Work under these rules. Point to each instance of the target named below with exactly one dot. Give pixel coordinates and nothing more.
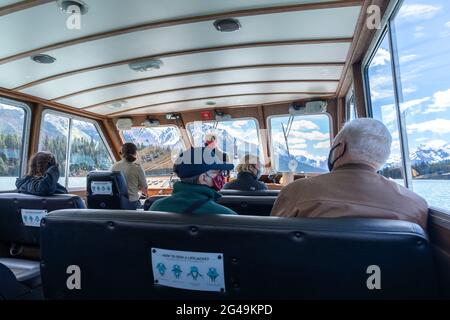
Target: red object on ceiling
(206, 115)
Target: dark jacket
(185, 195)
(246, 181)
(41, 186)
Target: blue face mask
(332, 163)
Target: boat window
(13, 124)
(236, 138)
(379, 73)
(350, 107)
(420, 52)
(157, 146)
(300, 143)
(86, 151)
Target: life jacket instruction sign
(101, 188)
(201, 271)
(32, 218)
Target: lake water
(436, 192)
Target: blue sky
(309, 136)
(423, 43)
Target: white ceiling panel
(315, 24)
(316, 53)
(201, 93)
(233, 76)
(106, 15)
(220, 102)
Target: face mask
(218, 181)
(332, 163)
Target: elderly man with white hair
(353, 188)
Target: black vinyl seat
(20, 226)
(107, 190)
(263, 258)
(257, 193)
(242, 205)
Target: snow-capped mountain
(430, 154)
(288, 162)
(167, 137)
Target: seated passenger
(42, 178)
(201, 176)
(249, 171)
(353, 188)
(133, 173)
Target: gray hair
(367, 140)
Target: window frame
(269, 133)
(258, 133)
(349, 99)
(386, 30)
(25, 132)
(69, 143)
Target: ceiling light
(67, 6)
(117, 105)
(143, 66)
(227, 25)
(210, 103)
(43, 58)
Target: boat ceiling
(284, 51)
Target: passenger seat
(20, 228)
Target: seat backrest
(249, 205)
(151, 255)
(20, 215)
(107, 190)
(242, 205)
(258, 193)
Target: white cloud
(435, 144)
(413, 103)
(297, 146)
(418, 11)
(438, 126)
(447, 25)
(418, 32)
(381, 58)
(322, 145)
(408, 58)
(304, 125)
(315, 135)
(441, 102)
(239, 123)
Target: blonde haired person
(249, 171)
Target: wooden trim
(34, 134)
(51, 104)
(358, 85)
(148, 94)
(181, 21)
(22, 5)
(186, 52)
(205, 71)
(112, 136)
(362, 40)
(209, 98)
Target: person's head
(211, 140)
(129, 152)
(250, 163)
(361, 141)
(40, 162)
(200, 166)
